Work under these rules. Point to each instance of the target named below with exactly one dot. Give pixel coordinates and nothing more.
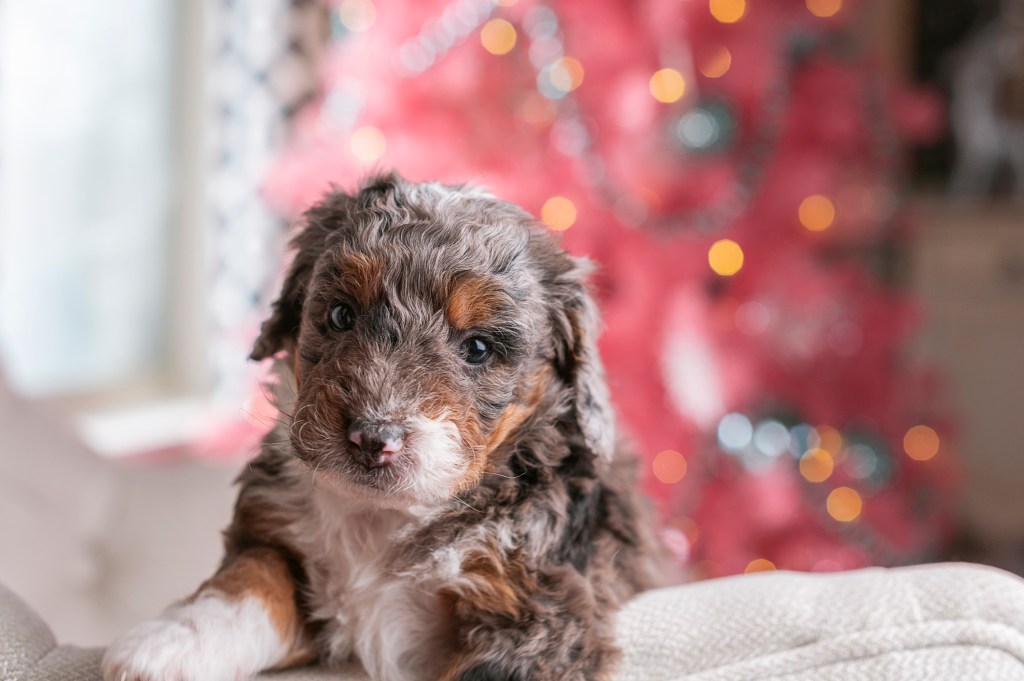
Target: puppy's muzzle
(376, 444)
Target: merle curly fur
(428, 514)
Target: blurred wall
(969, 273)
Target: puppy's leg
(241, 621)
(514, 625)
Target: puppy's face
(425, 325)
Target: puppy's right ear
(281, 329)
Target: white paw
(210, 639)
(161, 649)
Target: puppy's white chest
(393, 624)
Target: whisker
(320, 460)
(269, 397)
(510, 477)
(467, 505)
(262, 419)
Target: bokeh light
(735, 432)
(824, 8)
(829, 439)
(727, 11)
(669, 467)
(558, 213)
(698, 129)
(716, 62)
(367, 143)
(862, 462)
(498, 36)
(357, 15)
(537, 110)
(817, 213)
(667, 85)
(566, 74)
(816, 465)
(921, 443)
(725, 257)
(771, 438)
(800, 439)
(759, 565)
(844, 504)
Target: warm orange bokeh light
(844, 504)
(759, 565)
(498, 36)
(816, 465)
(824, 8)
(667, 86)
(566, 74)
(817, 213)
(921, 443)
(725, 257)
(829, 439)
(669, 467)
(558, 213)
(716, 63)
(727, 11)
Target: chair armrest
(29, 652)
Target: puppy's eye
(475, 350)
(342, 318)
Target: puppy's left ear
(576, 326)
(281, 329)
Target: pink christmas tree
(734, 170)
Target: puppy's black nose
(378, 443)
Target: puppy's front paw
(161, 649)
(210, 639)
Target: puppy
(444, 498)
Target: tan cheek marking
(510, 419)
(517, 413)
(263, 574)
(469, 428)
(513, 417)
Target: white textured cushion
(934, 622)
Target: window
(134, 247)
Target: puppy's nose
(378, 443)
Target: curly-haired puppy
(445, 498)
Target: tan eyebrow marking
(362, 276)
(472, 301)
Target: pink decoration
(810, 327)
